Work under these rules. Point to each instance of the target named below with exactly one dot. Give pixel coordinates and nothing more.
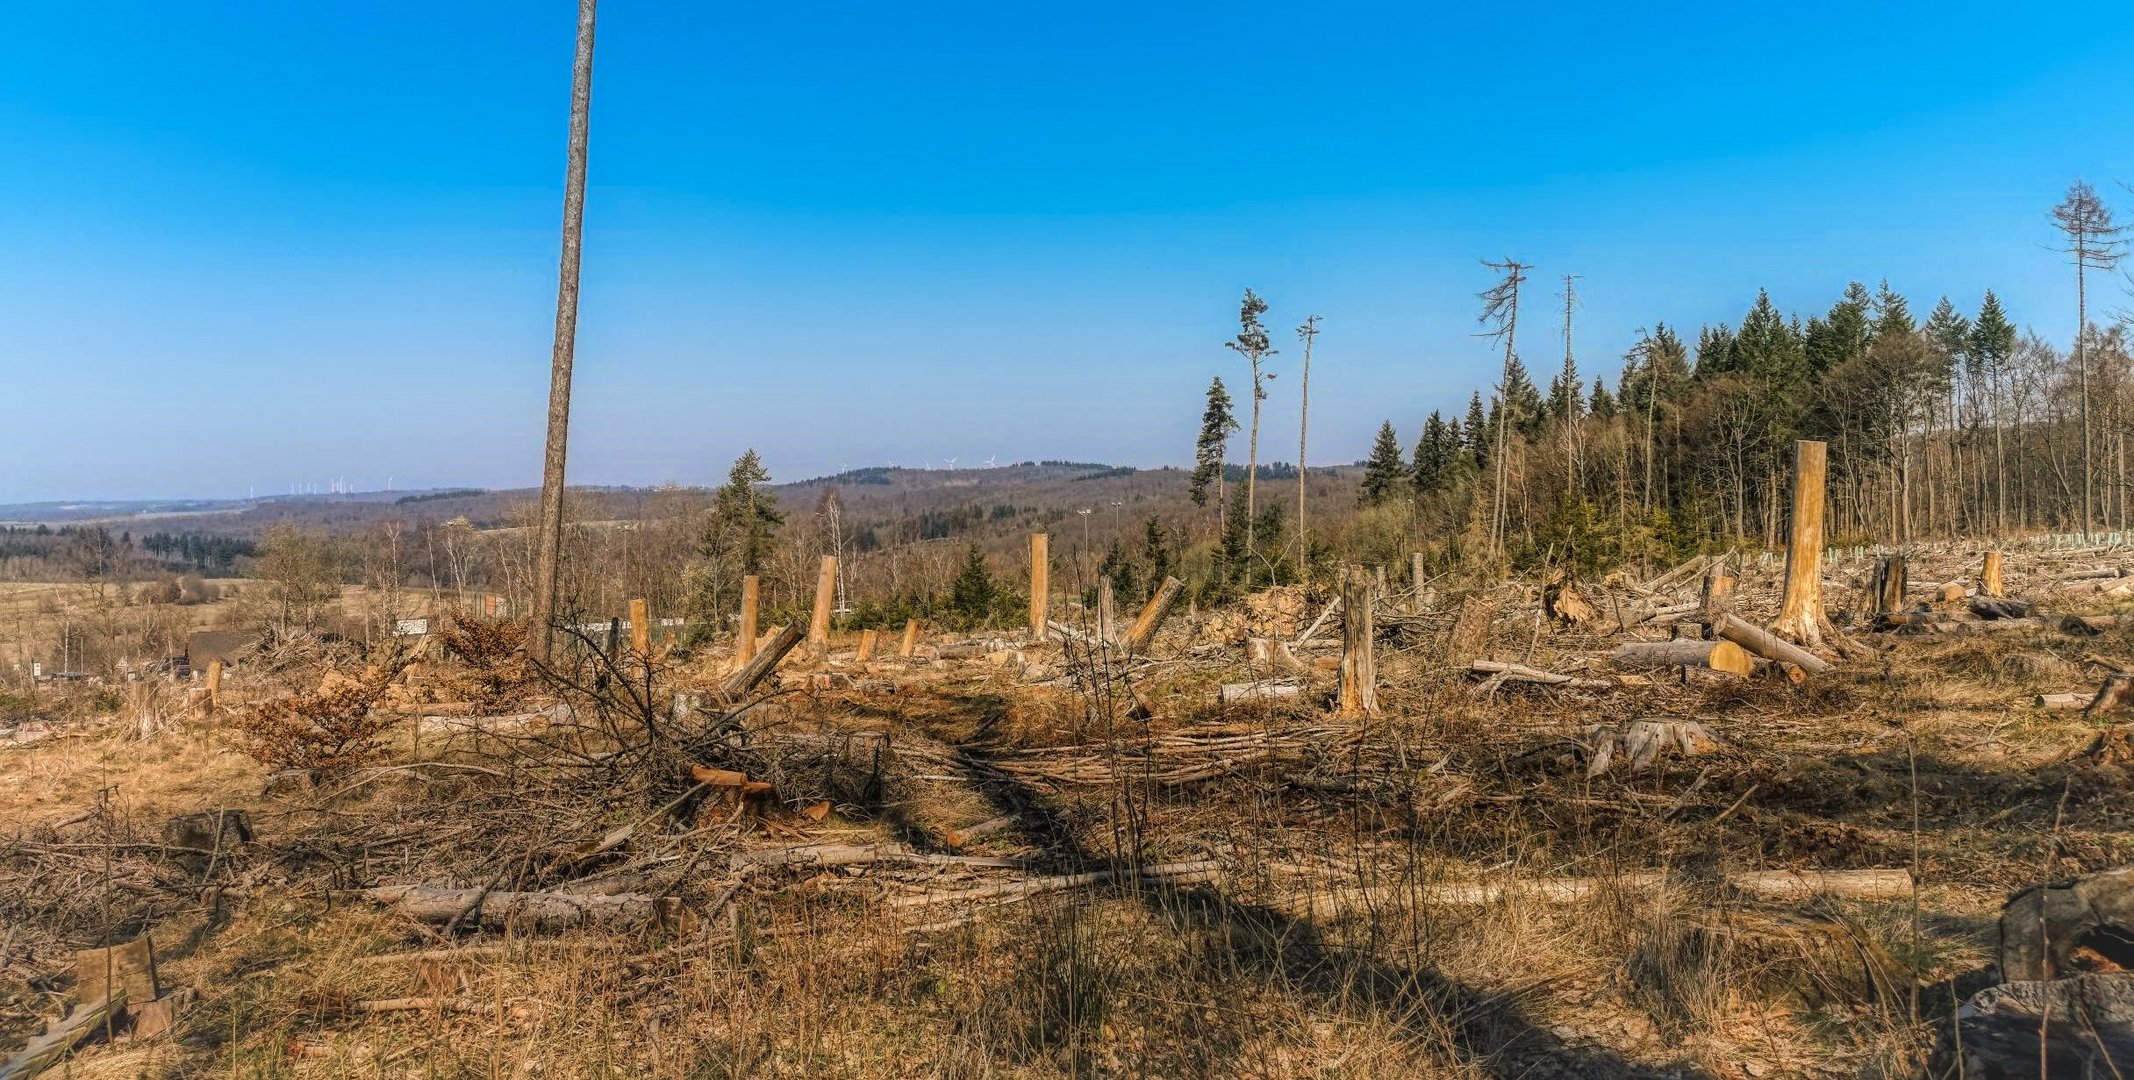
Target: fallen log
(538, 910)
(957, 838)
(1723, 656)
(1272, 690)
(1766, 644)
(1509, 672)
(738, 684)
(2062, 701)
(1669, 613)
(1987, 608)
(1678, 575)
(1771, 885)
(1152, 615)
(1179, 873)
(856, 854)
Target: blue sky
(250, 245)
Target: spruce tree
(1892, 314)
(1767, 348)
(1384, 470)
(737, 535)
(1602, 403)
(972, 596)
(1212, 448)
(1992, 348)
(1715, 353)
(1437, 456)
(1529, 413)
(1474, 434)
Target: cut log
(1989, 576)
(1678, 575)
(741, 682)
(1359, 664)
(1521, 673)
(1950, 592)
(1669, 613)
(1801, 618)
(1766, 644)
(2001, 609)
(911, 639)
(2063, 701)
(1152, 615)
(1163, 873)
(1721, 655)
(1762, 884)
(866, 649)
(1236, 693)
(535, 910)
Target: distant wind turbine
(990, 461)
(951, 463)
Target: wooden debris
(1152, 615)
(2112, 697)
(1766, 644)
(1991, 609)
(1508, 672)
(1265, 690)
(1885, 589)
(1989, 577)
(751, 605)
(739, 684)
(819, 617)
(536, 910)
(1642, 741)
(126, 971)
(1769, 885)
(1801, 618)
(1179, 873)
(1722, 656)
(958, 838)
(911, 639)
(1359, 666)
(1561, 601)
(2063, 701)
(45, 1050)
(1040, 582)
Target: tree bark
(738, 684)
(1801, 616)
(1766, 644)
(1651, 655)
(1359, 667)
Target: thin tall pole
(1309, 332)
(559, 376)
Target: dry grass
(1314, 953)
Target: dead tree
(1500, 312)
(1801, 615)
(1885, 590)
(1989, 576)
(1359, 668)
(1309, 332)
(825, 592)
(2093, 239)
(550, 548)
(1152, 615)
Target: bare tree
(566, 343)
(2094, 241)
(1500, 313)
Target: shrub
(329, 731)
(495, 655)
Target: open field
(1259, 889)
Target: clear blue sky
(256, 244)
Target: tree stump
(1885, 589)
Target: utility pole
(1308, 331)
(566, 343)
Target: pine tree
(1529, 413)
(1767, 348)
(1384, 470)
(972, 596)
(1212, 448)
(1893, 315)
(1715, 353)
(1602, 403)
(1841, 336)
(1992, 347)
(1474, 434)
(1437, 456)
(737, 535)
